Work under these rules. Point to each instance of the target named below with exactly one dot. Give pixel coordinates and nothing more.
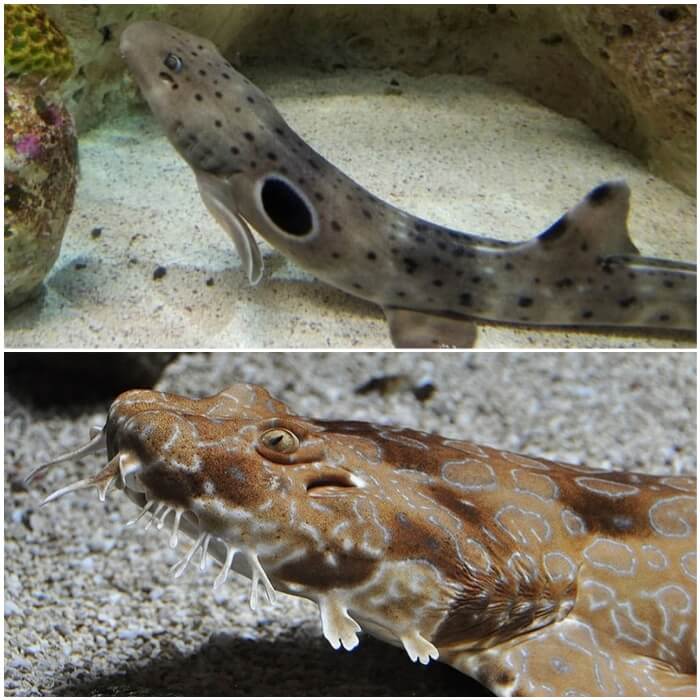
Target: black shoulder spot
(287, 209)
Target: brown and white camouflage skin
(534, 577)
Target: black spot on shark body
(607, 266)
(411, 265)
(465, 299)
(600, 195)
(524, 302)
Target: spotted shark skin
(433, 283)
(534, 577)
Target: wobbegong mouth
(123, 473)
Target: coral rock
(34, 45)
(41, 168)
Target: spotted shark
(433, 283)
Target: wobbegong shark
(433, 283)
(535, 577)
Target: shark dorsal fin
(597, 223)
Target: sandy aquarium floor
(456, 150)
(90, 608)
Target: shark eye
(280, 440)
(173, 62)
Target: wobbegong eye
(173, 62)
(280, 440)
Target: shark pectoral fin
(419, 329)
(571, 658)
(598, 223)
(220, 205)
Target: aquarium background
(491, 119)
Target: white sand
(90, 608)
(456, 150)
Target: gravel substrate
(90, 608)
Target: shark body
(535, 577)
(433, 283)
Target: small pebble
(12, 609)
(131, 634)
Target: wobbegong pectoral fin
(219, 202)
(418, 329)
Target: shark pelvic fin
(419, 329)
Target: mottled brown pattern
(314, 571)
(533, 576)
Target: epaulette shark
(433, 283)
